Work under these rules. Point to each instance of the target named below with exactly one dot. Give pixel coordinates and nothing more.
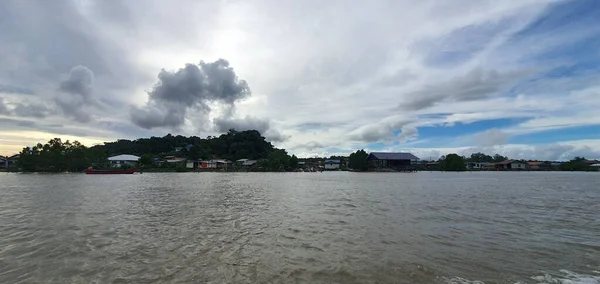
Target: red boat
(91, 171)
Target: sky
(518, 78)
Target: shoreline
(257, 171)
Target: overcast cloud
(314, 77)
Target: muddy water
(331, 227)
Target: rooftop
(332, 161)
(125, 157)
(393, 156)
(510, 162)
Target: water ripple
(300, 228)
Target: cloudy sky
(519, 78)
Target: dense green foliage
(481, 157)
(232, 145)
(293, 162)
(147, 160)
(358, 160)
(56, 156)
(278, 160)
(454, 163)
(577, 164)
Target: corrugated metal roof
(510, 162)
(124, 158)
(393, 156)
(332, 161)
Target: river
(330, 227)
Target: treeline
(454, 162)
(232, 145)
(59, 156)
(577, 164)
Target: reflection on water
(332, 227)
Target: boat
(91, 171)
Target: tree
(293, 162)
(278, 160)
(499, 158)
(147, 160)
(454, 163)
(480, 157)
(358, 160)
(56, 156)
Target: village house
(249, 163)
(9, 162)
(331, 164)
(393, 161)
(534, 166)
(191, 164)
(120, 160)
(208, 164)
(13, 161)
(211, 164)
(539, 166)
(511, 165)
(476, 166)
(489, 167)
(432, 166)
(174, 159)
(244, 163)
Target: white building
(117, 161)
(332, 164)
(477, 165)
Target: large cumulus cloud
(77, 94)
(192, 87)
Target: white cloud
(491, 137)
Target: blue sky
(519, 78)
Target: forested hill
(232, 145)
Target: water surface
(331, 227)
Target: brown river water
(330, 227)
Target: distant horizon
(517, 78)
(466, 153)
